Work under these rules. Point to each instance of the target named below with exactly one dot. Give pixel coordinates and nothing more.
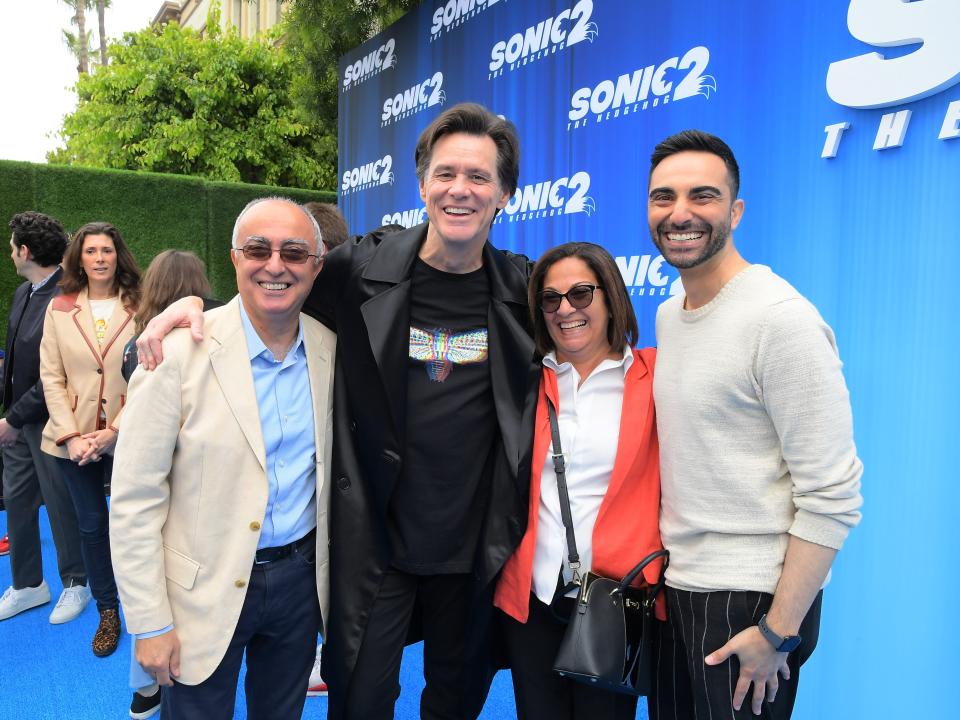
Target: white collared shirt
(589, 420)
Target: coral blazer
(80, 376)
(626, 529)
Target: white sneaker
(71, 603)
(14, 602)
(316, 686)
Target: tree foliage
(319, 33)
(217, 107)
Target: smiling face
(579, 336)
(273, 291)
(98, 259)
(461, 190)
(691, 209)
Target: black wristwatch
(787, 643)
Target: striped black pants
(699, 623)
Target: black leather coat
(364, 293)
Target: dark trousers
(277, 627)
(29, 478)
(444, 603)
(540, 693)
(85, 484)
(698, 624)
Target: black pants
(540, 693)
(698, 624)
(278, 629)
(30, 477)
(444, 603)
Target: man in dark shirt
(435, 388)
(29, 475)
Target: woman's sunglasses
(579, 297)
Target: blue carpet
(48, 672)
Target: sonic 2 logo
(373, 173)
(642, 275)
(631, 91)
(455, 13)
(370, 64)
(407, 218)
(419, 97)
(551, 197)
(546, 37)
(871, 80)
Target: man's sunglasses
(291, 254)
(579, 297)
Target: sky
(39, 70)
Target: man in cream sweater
(760, 476)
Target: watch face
(789, 643)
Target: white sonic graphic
(873, 81)
(590, 32)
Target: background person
(333, 230)
(84, 332)
(602, 388)
(171, 275)
(31, 477)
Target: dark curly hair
(126, 282)
(42, 234)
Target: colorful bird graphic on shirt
(440, 349)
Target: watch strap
(780, 643)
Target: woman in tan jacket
(84, 332)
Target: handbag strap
(560, 468)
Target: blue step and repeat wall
(845, 117)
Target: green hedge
(153, 212)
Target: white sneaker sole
(31, 606)
(61, 619)
(144, 715)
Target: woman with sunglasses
(602, 389)
(84, 332)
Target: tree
(217, 107)
(102, 6)
(318, 33)
(79, 47)
(79, 44)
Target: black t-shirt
(438, 506)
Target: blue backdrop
(844, 117)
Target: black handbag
(609, 639)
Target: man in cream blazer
(221, 486)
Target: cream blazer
(190, 486)
(80, 376)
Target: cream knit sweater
(756, 434)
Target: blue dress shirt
(286, 420)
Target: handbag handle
(560, 468)
(638, 568)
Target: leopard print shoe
(108, 633)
